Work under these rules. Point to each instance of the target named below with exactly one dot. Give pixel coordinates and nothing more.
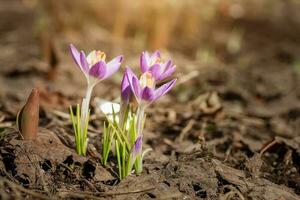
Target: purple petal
(113, 66)
(147, 94)
(76, 55)
(156, 70)
(155, 56)
(167, 65)
(144, 61)
(84, 63)
(128, 73)
(167, 73)
(98, 70)
(133, 82)
(137, 148)
(164, 89)
(147, 56)
(125, 89)
(136, 88)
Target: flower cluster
(123, 131)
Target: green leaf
(119, 159)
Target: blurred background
(196, 34)
(238, 70)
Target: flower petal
(108, 107)
(155, 56)
(144, 61)
(167, 73)
(147, 94)
(137, 148)
(133, 82)
(113, 66)
(91, 57)
(84, 63)
(136, 88)
(76, 55)
(167, 65)
(164, 89)
(98, 70)
(156, 70)
(125, 89)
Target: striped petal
(167, 73)
(162, 90)
(135, 86)
(167, 65)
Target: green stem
(124, 110)
(85, 104)
(139, 164)
(139, 131)
(140, 120)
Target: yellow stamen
(96, 56)
(147, 80)
(100, 55)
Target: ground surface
(229, 130)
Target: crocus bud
(28, 116)
(136, 155)
(125, 100)
(137, 148)
(125, 89)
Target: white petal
(107, 107)
(91, 56)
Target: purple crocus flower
(153, 63)
(95, 69)
(144, 89)
(94, 65)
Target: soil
(230, 129)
